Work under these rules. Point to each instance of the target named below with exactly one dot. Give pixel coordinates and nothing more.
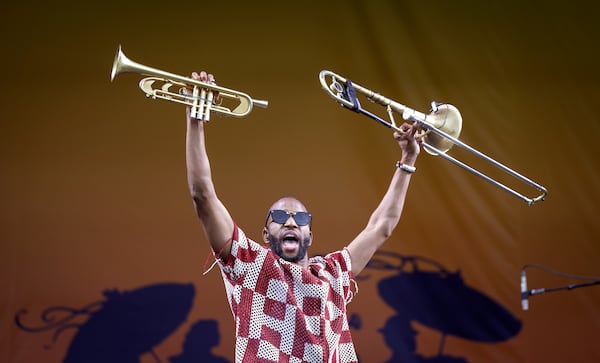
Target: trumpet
(201, 97)
(440, 128)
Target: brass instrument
(201, 97)
(440, 128)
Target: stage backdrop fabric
(102, 256)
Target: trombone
(441, 128)
(201, 97)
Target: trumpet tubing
(200, 96)
(441, 127)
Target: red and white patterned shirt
(284, 312)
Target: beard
(275, 246)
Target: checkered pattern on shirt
(285, 313)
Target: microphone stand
(566, 287)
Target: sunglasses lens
(281, 216)
(302, 218)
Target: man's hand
(409, 142)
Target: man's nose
(291, 221)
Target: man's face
(287, 234)
(288, 249)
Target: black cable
(570, 276)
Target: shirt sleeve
(245, 254)
(339, 265)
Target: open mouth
(290, 243)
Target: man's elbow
(385, 229)
(385, 233)
(200, 194)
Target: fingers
(406, 131)
(410, 129)
(204, 77)
(204, 97)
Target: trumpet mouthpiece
(260, 103)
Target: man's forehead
(289, 203)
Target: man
(288, 307)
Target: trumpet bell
(447, 119)
(120, 61)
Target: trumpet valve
(198, 97)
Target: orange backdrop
(94, 193)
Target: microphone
(524, 292)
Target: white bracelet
(407, 168)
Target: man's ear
(265, 235)
(311, 238)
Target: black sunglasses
(281, 216)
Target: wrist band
(407, 168)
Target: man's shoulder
(240, 238)
(330, 258)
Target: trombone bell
(445, 118)
(202, 97)
(441, 128)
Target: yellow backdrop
(94, 194)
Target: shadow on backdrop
(199, 342)
(121, 328)
(423, 291)
(127, 325)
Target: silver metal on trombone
(441, 128)
(202, 97)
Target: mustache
(275, 246)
